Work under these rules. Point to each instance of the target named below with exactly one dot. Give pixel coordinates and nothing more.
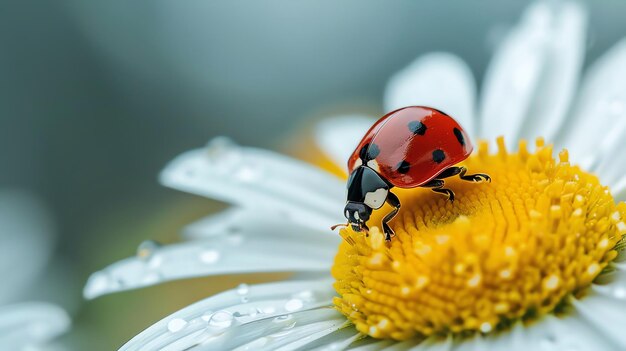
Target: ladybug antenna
(338, 225)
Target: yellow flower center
(506, 250)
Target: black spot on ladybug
(443, 113)
(439, 156)
(459, 136)
(417, 127)
(369, 152)
(403, 167)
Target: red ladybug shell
(412, 145)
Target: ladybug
(414, 146)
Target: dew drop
(147, 248)
(253, 312)
(283, 318)
(268, 310)
(293, 305)
(619, 292)
(248, 172)
(224, 155)
(243, 289)
(207, 316)
(209, 256)
(176, 324)
(306, 295)
(221, 319)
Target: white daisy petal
(567, 333)
(25, 242)
(598, 126)
(337, 137)
(279, 250)
(474, 343)
(26, 325)
(258, 178)
(533, 74)
(374, 345)
(605, 316)
(434, 344)
(341, 339)
(440, 80)
(236, 224)
(619, 189)
(296, 338)
(225, 322)
(560, 74)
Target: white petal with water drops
(439, 80)
(282, 249)
(533, 72)
(235, 225)
(26, 325)
(224, 322)
(338, 136)
(259, 179)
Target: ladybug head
(367, 191)
(357, 214)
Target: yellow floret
(513, 248)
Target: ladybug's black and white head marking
(367, 191)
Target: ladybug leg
(392, 200)
(436, 185)
(451, 172)
(478, 177)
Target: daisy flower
(25, 247)
(527, 262)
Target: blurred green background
(96, 97)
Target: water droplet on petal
(306, 295)
(221, 319)
(619, 292)
(176, 324)
(253, 312)
(486, 327)
(283, 318)
(248, 172)
(243, 289)
(147, 248)
(209, 256)
(207, 316)
(224, 155)
(268, 310)
(293, 305)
